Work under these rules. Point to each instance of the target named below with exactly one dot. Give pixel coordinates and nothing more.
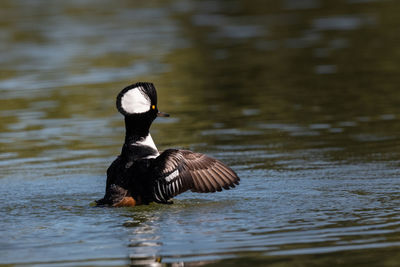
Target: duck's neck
(136, 129)
(138, 140)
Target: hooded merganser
(141, 175)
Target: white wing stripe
(157, 197)
(161, 194)
(177, 186)
(169, 190)
(172, 176)
(173, 188)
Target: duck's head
(138, 103)
(139, 99)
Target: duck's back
(127, 177)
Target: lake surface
(300, 98)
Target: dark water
(300, 98)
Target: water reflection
(300, 97)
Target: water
(300, 98)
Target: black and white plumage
(141, 175)
(176, 171)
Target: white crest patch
(134, 101)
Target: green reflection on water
(296, 87)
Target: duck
(141, 174)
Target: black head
(137, 99)
(138, 103)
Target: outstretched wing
(176, 171)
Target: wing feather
(176, 171)
(215, 180)
(222, 176)
(203, 177)
(212, 184)
(200, 186)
